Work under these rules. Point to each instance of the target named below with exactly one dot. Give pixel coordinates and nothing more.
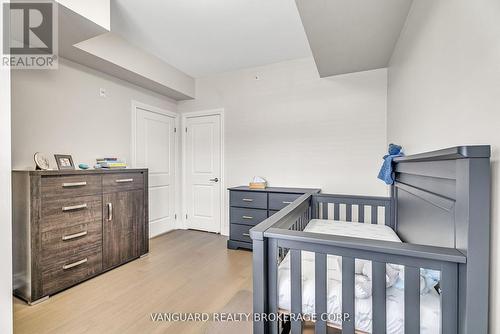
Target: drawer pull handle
(287, 202)
(110, 212)
(74, 236)
(124, 180)
(74, 264)
(247, 217)
(247, 200)
(74, 184)
(75, 207)
(246, 234)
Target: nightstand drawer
(279, 201)
(250, 217)
(240, 232)
(247, 199)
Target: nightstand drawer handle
(246, 234)
(74, 236)
(247, 200)
(75, 207)
(74, 184)
(74, 264)
(247, 217)
(124, 180)
(287, 202)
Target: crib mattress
(430, 303)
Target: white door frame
(224, 228)
(177, 167)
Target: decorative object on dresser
(249, 207)
(71, 225)
(64, 161)
(258, 183)
(41, 161)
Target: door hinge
(186, 129)
(186, 216)
(175, 130)
(175, 216)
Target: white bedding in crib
(430, 303)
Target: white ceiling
(203, 37)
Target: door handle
(215, 180)
(110, 212)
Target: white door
(203, 173)
(155, 149)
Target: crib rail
(412, 257)
(284, 231)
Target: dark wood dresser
(69, 226)
(249, 207)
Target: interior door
(155, 149)
(122, 220)
(203, 173)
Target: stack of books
(111, 163)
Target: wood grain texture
(122, 182)
(53, 216)
(52, 186)
(120, 243)
(121, 301)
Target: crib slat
(412, 300)
(320, 292)
(296, 289)
(374, 214)
(449, 301)
(379, 297)
(325, 210)
(361, 213)
(348, 212)
(273, 282)
(336, 211)
(348, 294)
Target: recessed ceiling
(203, 37)
(352, 35)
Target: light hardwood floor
(186, 271)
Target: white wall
(98, 11)
(5, 200)
(444, 90)
(298, 130)
(60, 111)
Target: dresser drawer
(70, 186)
(240, 232)
(247, 199)
(279, 201)
(69, 241)
(68, 271)
(122, 182)
(67, 212)
(247, 216)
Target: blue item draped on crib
(385, 173)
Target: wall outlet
(102, 92)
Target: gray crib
(439, 207)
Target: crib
(439, 208)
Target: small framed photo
(64, 161)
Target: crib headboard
(442, 198)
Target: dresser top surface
(80, 172)
(278, 190)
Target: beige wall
(444, 90)
(5, 200)
(295, 129)
(60, 111)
